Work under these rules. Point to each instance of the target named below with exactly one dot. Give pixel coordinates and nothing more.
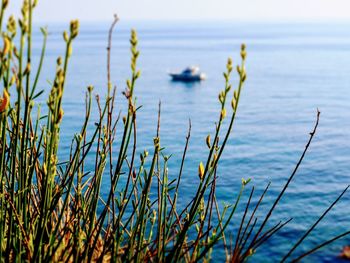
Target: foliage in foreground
(53, 210)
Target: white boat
(188, 74)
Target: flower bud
(27, 70)
(11, 25)
(128, 83)
(229, 65)
(245, 182)
(201, 170)
(59, 61)
(244, 77)
(156, 141)
(226, 76)
(74, 28)
(220, 98)
(223, 114)
(5, 3)
(13, 80)
(65, 36)
(243, 52)
(138, 73)
(208, 141)
(7, 46)
(4, 101)
(60, 116)
(44, 169)
(133, 38)
(233, 104)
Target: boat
(188, 74)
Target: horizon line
(201, 20)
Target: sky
(241, 10)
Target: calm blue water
(293, 69)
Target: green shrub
(49, 207)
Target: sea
(293, 70)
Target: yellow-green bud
(156, 141)
(128, 83)
(245, 182)
(215, 157)
(65, 36)
(7, 46)
(5, 3)
(243, 51)
(226, 76)
(11, 25)
(44, 169)
(223, 114)
(244, 54)
(74, 28)
(233, 104)
(13, 80)
(220, 98)
(27, 70)
(201, 170)
(208, 141)
(133, 38)
(239, 69)
(59, 61)
(229, 65)
(244, 77)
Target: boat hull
(187, 78)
